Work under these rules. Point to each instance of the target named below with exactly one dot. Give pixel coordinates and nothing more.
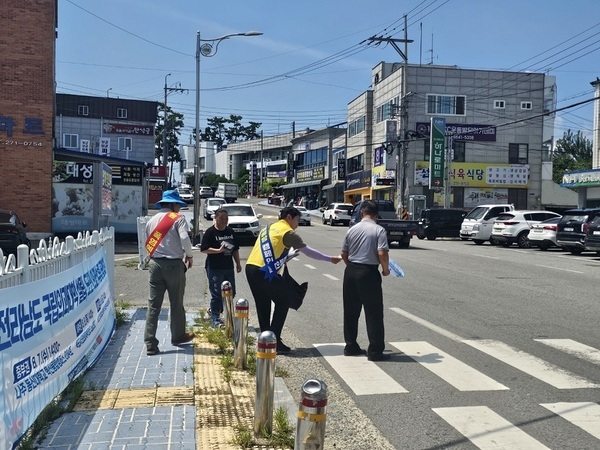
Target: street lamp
(206, 48)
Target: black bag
(296, 292)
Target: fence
(55, 257)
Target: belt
(365, 265)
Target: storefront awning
(301, 184)
(332, 185)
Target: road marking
(558, 268)
(486, 256)
(427, 324)
(456, 373)
(361, 375)
(575, 348)
(531, 365)
(310, 267)
(331, 277)
(585, 415)
(488, 430)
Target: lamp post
(164, 133)
(206, 48)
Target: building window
(388, 110)
(499, 104)
(446, 104)
(458, 152)
(357, 126)
(125, 143)
(83, 110)
(121, 113)
(526, 105)
(70, 140)
(518, 153)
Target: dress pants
(362, 289)
(265, 291)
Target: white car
(186, 195)
(304, 215)
(210, 205)
(243, 220)
(337, 213)
(205, 192)
(543, 234)
(514, 226)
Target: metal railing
(54, 257)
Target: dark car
(592, 235)
(12, 232)
(571, 230)
(440, 222)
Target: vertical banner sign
(437, 156)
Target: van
(478, 223)
(440, 222)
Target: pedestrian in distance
(364, 249)
(170, 251)
(221, 249)
(264, 267)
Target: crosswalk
(480, 424)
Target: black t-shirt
(212, 239)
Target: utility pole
(261, 161)
(403, 135)
(168, 90)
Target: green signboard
(437, 156)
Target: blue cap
(170, 197)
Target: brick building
(27, 46)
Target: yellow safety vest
(276, 233)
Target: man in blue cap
(170, 251)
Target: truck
(228, 191)
(397, 230)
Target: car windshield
(215, 202)
(477, 213)
(239, 210)
(185, 191)
(574, 217)
(553, 220)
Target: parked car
(572, 227)
(12, 232)
(210, 205)
(592, 235)
(186, 195)
(337, 213)
(243, 220)
(478, 223)
(514, 226)
(543, 234)
(304, 215)
(205, 192)
(440, 222)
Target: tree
(572, 152)
(173, 131)
(222, 131)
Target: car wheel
(506, 244)
(421, 236)
(404, 243)
(431, 235)
(575, 250)
(544, 246)
(523, 239)
(465, 239)
(478, 241)
(493, 241)
(331, 223)
(323, 221)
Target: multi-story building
(105, 126)
(498, 130)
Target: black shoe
(282, 349)
(187, 337)
(151, 351)
(354, 350)
(379, 357)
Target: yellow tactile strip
(135, 398)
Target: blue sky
(310, 62)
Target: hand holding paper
(395, 269)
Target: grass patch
(244, 437)
(131, 263)
(63, 403)
(122, 316)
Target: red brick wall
(27, 44)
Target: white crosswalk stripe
(488, 430)
(531, 365)
(460, 375)
(574, 348)
(585, 415)
(361, 375)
